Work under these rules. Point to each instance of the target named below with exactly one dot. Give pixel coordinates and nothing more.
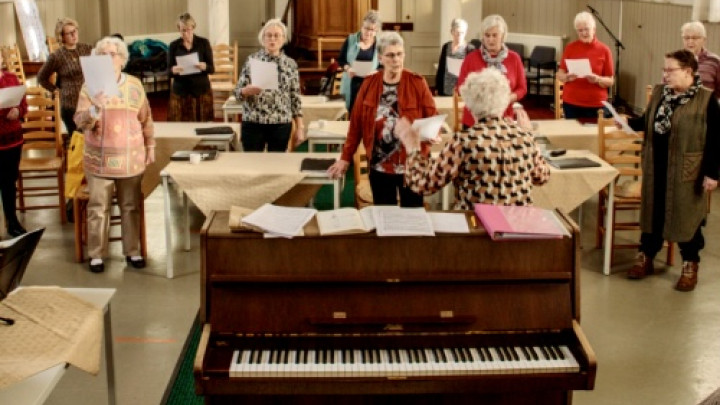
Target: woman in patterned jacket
(268, 114)
(494, 162)
(119, 143)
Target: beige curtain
(706, 10)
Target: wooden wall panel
(136, 17)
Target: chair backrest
(619, 148)
(517, 47)
(226, 63)
(542, 57)
(457, 111)
(42, 128)
(13, 61)
(558, 99)
(648, 95)
(15, 255)
(336, 83)
(52, 43)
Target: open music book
(386, 220)
(279, 221)
(512, 222)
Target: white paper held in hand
(454, 65)
(363, 68)
(429, 127)
(99, 75)
(579, 67)
(264, 74)
(11, 96)
(188, 63)
(618, 118)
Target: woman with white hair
(359, 46)
(583, 96)
(494, 53)
(446, 80)
(119, 143)
(694, 37)
(494, 162)
(268, 114)
(387, 96)
(191, 96)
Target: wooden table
(569, 134)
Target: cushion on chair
(628, 189)
(363, 194)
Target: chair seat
(363, 194)
(41, 164)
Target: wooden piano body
(364, 292)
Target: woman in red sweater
(583, 96)
(11, 141)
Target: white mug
(195, 158)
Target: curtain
(706, 10)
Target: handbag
(75, 175)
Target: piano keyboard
(402, 362)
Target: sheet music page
(391, 220)
(283, 221)
(264, 74)
(188, 63)
(341, 220)
(579, 67)
(11, 96)
(429, 127)
(453, 65)
(363, 68)
(99, 75)
(449, 222)
(618, 118)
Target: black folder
(184, 155)
(574, 163)
(315, 165)
(221, 130)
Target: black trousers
(9, 170)
(256, 136)
(386, 187)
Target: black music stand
(15, 255)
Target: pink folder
(512, 222)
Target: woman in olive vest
(680, 166)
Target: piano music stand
(15, 255)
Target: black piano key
(481, 353)
(488, 354)
(285, 356)
(364, 357)
(376, 356)
(352, 356)
(410, 356)
(527, 354)
(558, 352)
(455, 357)
(396, 355)
(273, 357)
(533, 353)
(423, 356)
(500, 353)
(468, 354)
(331, 360)
(443, 357)
(545, 352)
(461, 355)
(514, 353)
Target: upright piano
(356, 319)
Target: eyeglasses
(273, 36)
(112, 54)
(688, 37)
(188, 29)
(73, 32)
(392, 55)
(670, 70)
(371, 29)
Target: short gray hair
(388, 38)
(458, 23)
(492, 21)
(486, 93)
(372, 17)
(584, 17)
(122, 49)
(693, 27)
(274, 22)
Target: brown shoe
(688, 278)
(642, 268)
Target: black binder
(221, 130)
(315, 165)
(184, 155)
(574, 163)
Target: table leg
(337, 190)
(186, 222)
(607, 248)
(109, 358)
(168, 227)
(311, 145)
(445, 197)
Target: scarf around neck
(497, 61)
(669, 102)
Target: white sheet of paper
(11, 96)
(618, 118)
(282, 221)
(454, 65)
(264, 74)
(449, 222)
(391, 220)
(188, 63)
(580, 67)
(429, 127)
(363, 68)
(99, 75)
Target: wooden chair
(457, 111)
(224, 79)
(336, 83)
(43, 156)
(80, 203)
(13, 61)
(363, 192)
(52, 44)
(558, 99)
(542, 60)
(621, 150)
